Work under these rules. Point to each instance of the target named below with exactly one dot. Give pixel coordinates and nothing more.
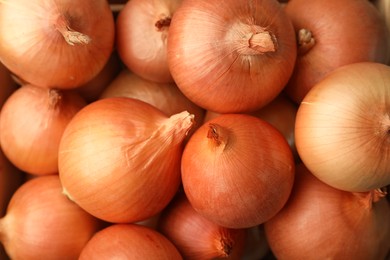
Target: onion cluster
(194, 129)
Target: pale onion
(10, 179)
(333, 33)
(231, 56)
(237, 170)
(130, 242)
(321, 222)
(119, 158)
(42, 223)
(92, 90)
(165, 96)
(142, 29)
(7, 84)
(56, 43)
(196, 237)
(342, 130)
(280, 113)
(32, 122)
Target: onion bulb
(196, 237)
(41, 223)
(331, 34)
(237, 170)
(142, 29)
(32, 122)
(119, 158)
(321, 222)
(56, 43)
(342, 130)
(231, 56)
(131, 242)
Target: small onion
(231, 56)
(237, 170)
(142, 29)
(342, 130)
(119, 158)
(321, 222)
(333, 33)
(196, 237)
(41, 223)
(32, 122)
(56, 43)
(129, 241)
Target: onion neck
(55, 98)
(225, 246)
(163, 23)
(371, 197)
(218, 136)
(71, 36)
(306, 41)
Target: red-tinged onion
(165, 96)
(142, 30)
(196, 237)
(280, 113)
(237, 170)
(333, 33)
(119, 158)
(32, 122)
(10, 180)
(342, 130)
(92, 90)
(321, 222)
(231, 56)
(42, 223)
(56, 43)
(7, 84)
(130, 242)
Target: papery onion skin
(41, 223)
(237, 170)
(32, 122)
(119, 158)
(196, 237)
(142, 30)
(352, 31)
(129, 241)
(342, 128)
(321, 222)
(33, 48)
(216, 61)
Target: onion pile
(194, 129)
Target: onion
(342, 128)
(41, 223)
(7, 84)
(56, 43)
(32, 122)
(119, 158)
(231, 56)
(280, 113)
(142, 29)
(321, 222)
(10, 179)
(129, 241)
(351, 31)
(92, 90)
(237, 170)
(196, 237)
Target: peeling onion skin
(119, 158)
(231, 56)
(342, 128)
(56, 43)
(321, 222)
(237, 170)
(352, 31)
(131, 242)
(148, 22)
